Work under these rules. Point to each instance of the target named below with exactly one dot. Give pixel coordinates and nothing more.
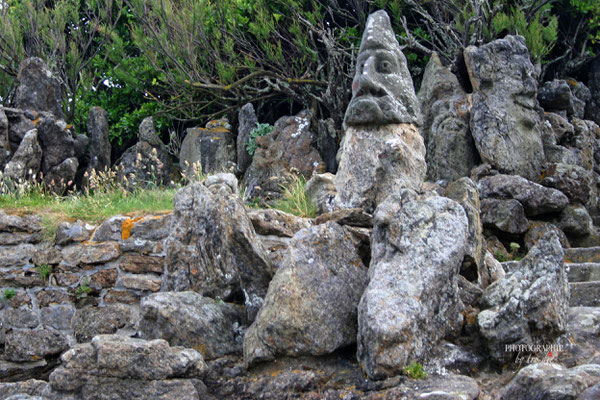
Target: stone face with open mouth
(379, 95)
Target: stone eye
(385, 67)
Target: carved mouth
(371, 90)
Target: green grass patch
(295, 200)
(414, 371)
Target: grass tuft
(295, 199)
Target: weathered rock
(213, 149)
(15, 223)
(145, 282)
(412, 299)
(551, 381)
(320, 189)
(382, 89)
(328, 143)
(556, 95)
(536, 199)
(529, 306)
(592, 110)
(288, 149)
(227, 179)
(451, 152)
(113, 366)
(559, 126)
(581, 343)
(4, 141)
(575, 220)
(68, 233)
(32, 387)
(572, 180)
(505, 215)
(247, 121)
(90, 253)
(57, 316)
(18, 126)
(310, 308)
(56, 140)
(537, 230)
(492, 270)
(16, 256)
(23, 318)
(378, 161)
(97, 130)
(30, 345)
(48, 297)
(27, 159)
(464, 191)
(505, 123)
(213, 248)
(110, 230)
(62, 177)
(276, 247)
(278, 223)
(584, 141)
(90, 321)
(141, 264)
(190, 320)
(38, 89)
(347, 216)
(147, 162)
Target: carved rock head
(382, 89)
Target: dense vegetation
(186, 61)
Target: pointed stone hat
(378, 33)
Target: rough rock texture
(147, 162)
(288, 149)
(4, 141)
(529, 306)
(62, 176)
(328, 143)
(19, 123)
(584, 141)
(213, 248)
(464, 191)
(117, 367)
(556, 95)
(593, 106)
(91, 321)
(246, 122)
(29, 345)
(377, 161)
(38, 90)
(276, 222)
(575, 220)
(213, 149)
(78, 231)
(505, 123)
(574, 181)
(27, 158)
(190, 320)
(446, 107)
(382, 89)
(551, 381)
(537, 230)
(536, 199)
(320, 189)
(310, 308)
(97, 131)
(505, 215)
(412, 298)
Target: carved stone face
(382, 89)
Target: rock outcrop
(38, 89)
(211, 150)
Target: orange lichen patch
(127, 226)
(36, 121)
(202, 349)
(275, 373)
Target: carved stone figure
(382, 90)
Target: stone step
(584, 272)
(585, 294)
(582, 255)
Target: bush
(260, 130)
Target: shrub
(415, 371)
(9, 293)
(295, 200)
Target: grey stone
(310, 307)
(451, 152)
(581, 343)
(68, 233)
(286, 152)
(81, 148)
(18, 126)
(56, 140)
(556, 95)
(190, 320)
(223, 178)
(27, 159)
(38, 89)
(464, 191)
(505, 123)
(30, 345)
(97, 131)
(90, 253)
(584, 140)
(573, 181)
(145, 282)
(347, 216)
(551, 381)
(505, 215)
(147, 133)
(90, 321)
(32, 387)
(58, 316)
(537, 230)
(530, 305)
(378, 161)
(109, 230)
(558, 126)
(213, 248)
(23, 317)
(15, 223)
(247, 121)
(276, 222)
(328, 143)
(592, 111)
(320, 189)
(575, 220)
(213, 149)
(412, 300)
(4, 141)
(61, 177)
(382, 89)
(536, 199)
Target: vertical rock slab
(4, 142)
(446, 107)
(28, 157)
(247, 121)
(382, 150)
(213, 248)
(530, 305)
(97, 130)
(505, 121)
(38, 89)
(213, 149)
(412, 299)
(310, 308)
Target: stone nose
(368, 68)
